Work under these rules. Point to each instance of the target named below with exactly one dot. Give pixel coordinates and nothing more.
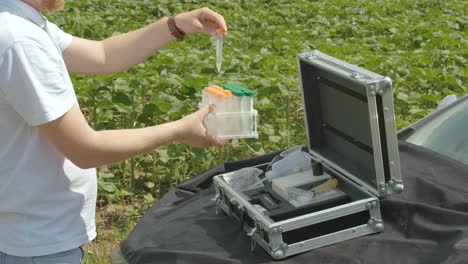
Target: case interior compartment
(284, 210)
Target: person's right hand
(191, 130)
(202, 20)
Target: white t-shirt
(47, 204)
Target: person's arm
(123, 51)
(87, 148)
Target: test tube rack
(234, 116)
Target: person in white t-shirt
(48, 151)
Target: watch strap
(175, 31)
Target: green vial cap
(237, 90)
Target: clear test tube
(247, 103)
(222, 105)
(212, 121)
(232, 103)
(247, 108)
(239, 103)
(219, 101)
(205, 97)
(228, 100)
(208, 96)
(228, 124)
(213, 96)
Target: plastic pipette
(219, 49)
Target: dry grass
(114, 222)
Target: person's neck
(36, 4)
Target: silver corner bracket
(280, 252)
(373, 90)
(395, 185)
(311, 55)
(388, 82)
(376, 224)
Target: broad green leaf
(163, 156)
(107, 186)
(274, 139)
(121, 98)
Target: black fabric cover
(427, 223)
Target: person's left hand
(202, 20)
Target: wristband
(175, 31)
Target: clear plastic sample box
(234, 116)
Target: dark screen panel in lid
(350, 121)
(337, 117)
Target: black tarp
(427, 223)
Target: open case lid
(350, 121)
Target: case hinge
(383, 189)
(372, 204)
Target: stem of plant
(94, 111)
(132, 174)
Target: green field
(421, 45)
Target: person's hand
(202, 20)
(191, 130)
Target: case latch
(219, 211)
(254, 232)
(220, 200)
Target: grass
(421, 45)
